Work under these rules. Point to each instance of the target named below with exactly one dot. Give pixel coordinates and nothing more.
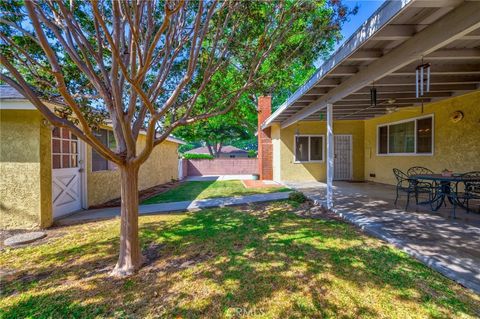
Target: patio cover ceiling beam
(436, 3)
(380, 101)
(452, 69)
(451, 27)
(411, 89)
(398, 95)
(389, 80)
(445, 54)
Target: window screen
(383, 140)
(301, 149)
(415, 136)
(424, 135)
(316, 143)
(402, 138)
(98, 162)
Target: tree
(148, 65)
(222, 130)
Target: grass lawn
(209, 189)
(253, 261)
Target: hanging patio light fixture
(373, 95)
(297, 131)
(422, 79)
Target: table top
(440, 177)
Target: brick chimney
(265, 148)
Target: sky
(365, 10)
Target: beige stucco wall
(283, 140)
(161, 167)
(25, 170)
(456, 145)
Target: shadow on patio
(449, 246)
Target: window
(64, 149)
(98, 162)
(308, 148)
(406, 137)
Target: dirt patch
(309, 210)
(142, 195)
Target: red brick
(265, 147)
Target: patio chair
(465, 191)
(420, 170)
(409, 186)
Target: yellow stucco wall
(25, 171)
(283, 141)
(161, 167)
(456, 145)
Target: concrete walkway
(105, 213)
(451, 247)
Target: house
(227, 151)
(402, 91)
(46, 172)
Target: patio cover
(384, 52)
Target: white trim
(414, 119)
(309, 148)
(330, 155)
(83, 155)
(16, 104)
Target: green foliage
(252, 153)
(250, 144)
(197, 156)
(289, 66)
(298, 197)
(209, 189)
(258, 256)
(188, 147)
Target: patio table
(443, 190)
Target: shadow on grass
(229, 262)
(51, 306)
(191, 190)
(188, 190)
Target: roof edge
(369, 28)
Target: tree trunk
(130, 258)
(210, 150)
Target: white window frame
(309, 148)
(414, 120)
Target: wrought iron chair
(407, 185)
(423, 185)
(466, 190)
(418, 170)
(404, 184)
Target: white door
(66, 173)
(342, 164)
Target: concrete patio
(450, 246)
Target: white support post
(330, 155)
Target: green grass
(209, 189)
(255, 261)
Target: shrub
(252, 153)
(298, 197)
(197, 156)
